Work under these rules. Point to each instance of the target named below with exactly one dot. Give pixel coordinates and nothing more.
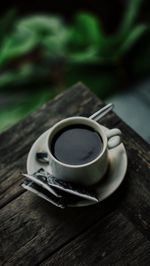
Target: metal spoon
(102, 112)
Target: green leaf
(55, 45)
(132, 38)
(6, 24)
(17, 44)
(9, 117)
(44, 31)
(89, 28)
(85, 32)
(129, 17)
(85, 39)
(41, 25)
(49, 31)
(88, 56)
(26, 103)
(13, 76)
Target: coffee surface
(76, 144)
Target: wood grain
(77, 100)
(113, 241)
(16, 142)
(32, 231)
(32, 223)
(135, 206)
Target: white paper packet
(61, 188)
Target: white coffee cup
(88, 173)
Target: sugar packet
(43, 193)
(61, 188)
(63, 202)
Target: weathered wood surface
(114, 232)
(113, 241)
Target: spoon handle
(102, 112)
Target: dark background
(110, 12)
(16, 101)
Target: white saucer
(113, 179)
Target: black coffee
(76, 144)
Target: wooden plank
(131, 194)
(114, 241)
(78, 100)
(133, 140)
(10, 181)
(19, 138)
(136, 203)
(32, 229)
(135, 190)
(75, 101)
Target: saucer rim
(83, 203)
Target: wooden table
(32, 231)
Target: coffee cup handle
(114, 138)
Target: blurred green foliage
(41, 50)
(21, 105)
